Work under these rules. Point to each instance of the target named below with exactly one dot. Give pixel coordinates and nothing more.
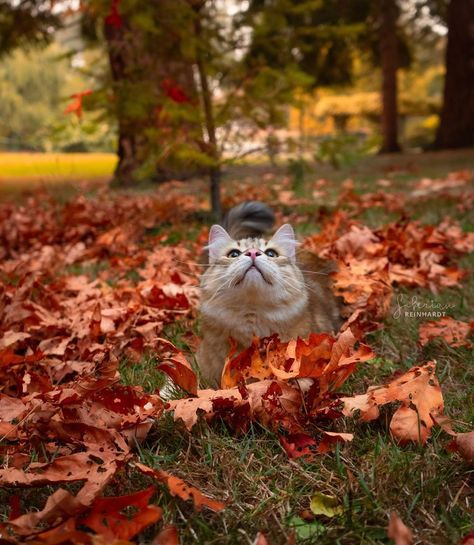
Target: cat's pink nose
(253, 254)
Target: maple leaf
(179, 488)
(321, 357)
(211, 403)
(418, 390)
(76, 105)
(178, 368)
(106, 517)
(454, 332)
(462, 443)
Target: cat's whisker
(316, 272)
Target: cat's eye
(271, 253)
(234, 253)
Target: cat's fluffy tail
(249, 219)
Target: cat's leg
(211, 357)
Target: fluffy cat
(258, 287)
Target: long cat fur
(289, 294)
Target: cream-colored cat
(257, 287)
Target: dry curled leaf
(420, 394)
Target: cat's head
(253, 267)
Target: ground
(265, 491)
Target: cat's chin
(253, 276)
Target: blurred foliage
(263, 61)
(345, 149)
(26, 22)
(35, 90)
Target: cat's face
(253, 268)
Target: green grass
(20, 171)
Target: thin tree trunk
(215, 172)
(456, 127)
(127, 144)
(389, 62)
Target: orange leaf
(179, 488)
(106, 517)
(418, 390)
(454, 332)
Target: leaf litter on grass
(66, 418)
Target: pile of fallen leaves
(371, 262)
(65, 416)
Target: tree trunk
(456, 129)
(215, 172)
(389, 62)
(145, 73)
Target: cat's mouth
(253, 268)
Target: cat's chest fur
(242, 323)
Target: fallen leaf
(106, 517)
(418, 390)
(454, 332)
(463, 443)
(322, 504)
(168, 535)
(178, 487)
(397, 530)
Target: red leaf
(178, 368)
(76, 105)
(106, 517)
(114, 18)
(174, 91)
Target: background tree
(151, 91)
(456, 127)
(26, 22)
(389, 63)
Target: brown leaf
(11, 337)
(463, 443)
(454, 332)
(219, 402)
(418, 390)
(179, 488)
(167, 536)
(178, 368)
(95, 468)
(397, 530)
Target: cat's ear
(218, 238)
(285, 237)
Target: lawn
(95, 282)
(22, 170)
